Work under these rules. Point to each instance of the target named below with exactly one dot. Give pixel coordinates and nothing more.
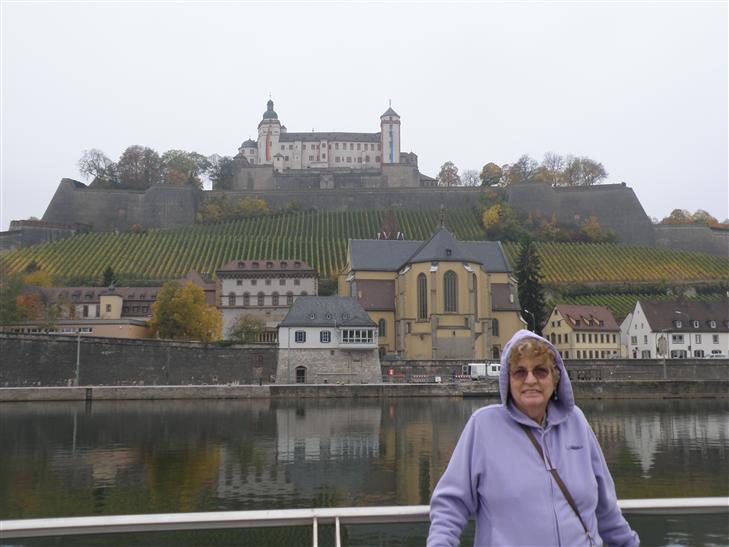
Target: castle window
(351, 146)
(268, 281)
(336, 159)
(422, 297)
(239, 282)
(336, 146)
(379, 146)
(284, 265)
(367, 158)
(359, 146)
(311, 158)
(291, 146)
(261, 299)
(349, 159)
(246, 299)
(254, 281)
(450, 291)
(255, 265)
(297, 282)
(286, 158)
(289, 298)
(231, 299)
(359, 160)
(323, 156)
(300, 336)
(377, 159)
(303, 147)
(269, 265)
(274, 299)
(282, 282)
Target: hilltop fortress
(336, 170)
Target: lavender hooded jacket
(496, 474)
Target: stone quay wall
(34, 360)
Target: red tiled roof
(588, 318)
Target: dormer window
(602, 323)
(695, 324)
(449, 252)
(312, 316)
(269, 265)
(242, 265)
(297, 264)
(255, 265)
(678, 323)
(284, 265)
(577, 322)
(712, 324)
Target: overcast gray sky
(638, 86)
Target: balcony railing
(298, 517)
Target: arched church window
(422, 297)
(450, 291)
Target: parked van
(480, 371)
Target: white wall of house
(314, 338)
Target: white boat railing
(337, 516)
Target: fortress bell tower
(268, 133)
(390, 135)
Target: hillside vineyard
(320, 239)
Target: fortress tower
(269, 131)
(390, 131)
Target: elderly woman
(529, 469)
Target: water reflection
(61, 459)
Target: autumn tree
(222, 171)
(448, 175)
(180, 313)
(531, 291)
(491, 174)
(101, 170)
(11, 284)
(521, 171)
(139, 167)
(181, 168)
(470, 178)
(246, 328)
(678, 216)
(582, 172)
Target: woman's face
(531, 384)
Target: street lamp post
(78, 357)
(534, 320)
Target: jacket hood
(558, 409)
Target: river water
(73, 459)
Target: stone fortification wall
(693, 238)
(264, 178)
(405, 198)
(615, 205)
(593, 370)
(107, 210)
(48, 360)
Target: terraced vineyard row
(612, 263)
(320, 238)
(622, 304)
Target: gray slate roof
(390, 112)
(442, 246)
(329, 136)
(661, 314)
(326, 311)
(391, 255)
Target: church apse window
(381, 327)
(450, 291)
(422, 297)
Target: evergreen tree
(108, 277)
(531, 291)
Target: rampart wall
(50, 360)
(615, 205)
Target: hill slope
(320, 238)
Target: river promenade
(586, 389)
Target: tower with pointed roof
(269, 131)
(390, 132)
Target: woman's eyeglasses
(520, 373)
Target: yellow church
(434, 299)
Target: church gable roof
(442, 246)
(391, 255)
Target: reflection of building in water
(105, 464)
(650, 434)
(250, 480)
(325, 433)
